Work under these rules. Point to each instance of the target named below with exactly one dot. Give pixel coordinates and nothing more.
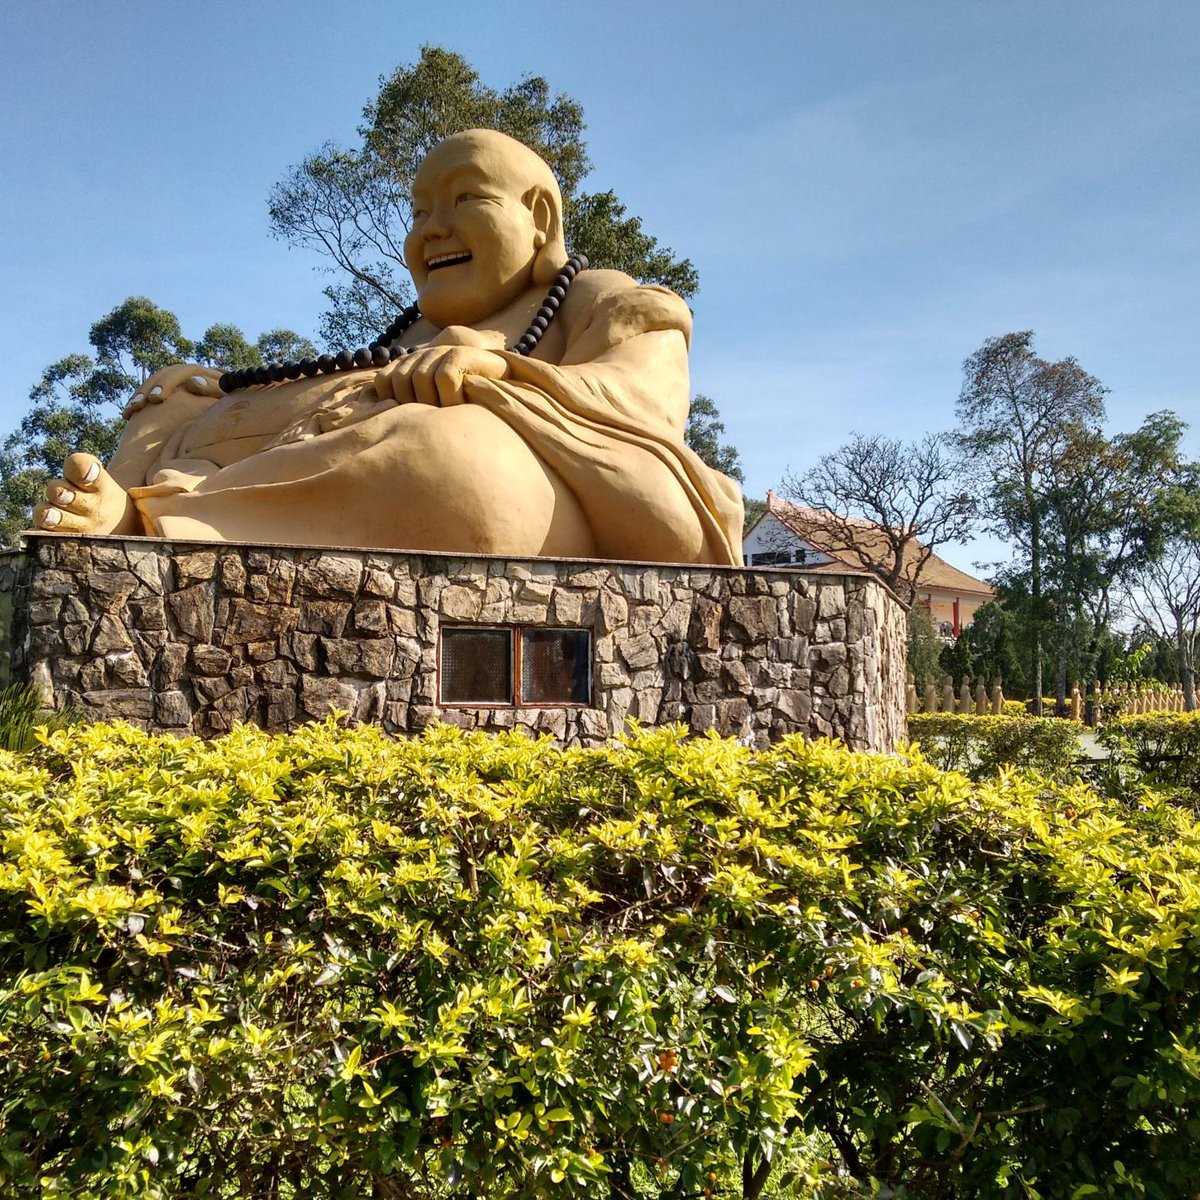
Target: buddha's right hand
(87, 499)
(436, 374)
(200, 381)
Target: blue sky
(869, 189)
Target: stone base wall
(193, 637)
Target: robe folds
(577, 452)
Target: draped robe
(578, 452)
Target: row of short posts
(1128, 699)
(1131, 699)
(977, 700)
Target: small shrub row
(980, 746)
(1162, 748)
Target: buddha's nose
(436, 224)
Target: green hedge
(1164, 748)
(982, 746)
(330, 964)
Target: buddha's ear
(550, 252)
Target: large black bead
(540, 324)
(277, 372)
(262, 375)
(567, 273)
(579, 262)
(227, 382)
(292, 369)
(548, 312)
(379, 356)
(557, 292)
(362, 357)
(344, 360)
(327, 363)
(309, 366)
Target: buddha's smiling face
(475, 231)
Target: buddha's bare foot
(87, 499)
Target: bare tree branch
(886, 503)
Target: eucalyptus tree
(350, 204)
(76, 403)
(1018, 414)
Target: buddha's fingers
(394, 382)
(198, 381)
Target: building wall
(941, 608)
(193, 637)
(771, 536)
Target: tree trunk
(1035, 600)
(1060, 661)
(1187, 666)
(754, 1178)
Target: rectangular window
(556, 666)
(477, 666)
(515, 665)
(778, 558)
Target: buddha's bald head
(502, 156)
(487, 223)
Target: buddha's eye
(419, 214)
(463, 197)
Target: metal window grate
(477, 666)
(556, 666)
(505, 665)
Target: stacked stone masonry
(194, 637)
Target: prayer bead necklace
(380, 352)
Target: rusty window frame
(516, 647)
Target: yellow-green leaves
(465, 965)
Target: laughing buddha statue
(524, 406)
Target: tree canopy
(76, 403)
(704, 432)
(1017, 413)
(351, 204)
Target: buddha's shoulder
(604, 296)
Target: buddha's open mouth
(447, 260)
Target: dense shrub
(1164, 748)
(981, 746)
(330, 964)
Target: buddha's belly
(411, 476)
(246, 423)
